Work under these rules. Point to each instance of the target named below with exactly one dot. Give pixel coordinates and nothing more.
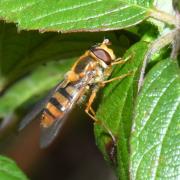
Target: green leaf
(9, 170)
(81, 15)
(115, 109)
(39, 81)
(156, 129)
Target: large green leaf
(115, 109)
(156, 129)
(9, 170)
(71, 15)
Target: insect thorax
(92, 69)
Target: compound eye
(103, 55)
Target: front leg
(120, 61)
(116, 78)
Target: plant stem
(176, 44)
(154, 47)
(164, 17)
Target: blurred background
(73, 155)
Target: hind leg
(89, 110)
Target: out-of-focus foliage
(9, 170)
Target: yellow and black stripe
(58, 105)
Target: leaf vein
(127, 19)
(170, 83)
(143, 155)
(163, 138)
(28, 5)
(90, 17)
(149, 84)
(154, 105)
(65, 9)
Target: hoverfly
(88, 74)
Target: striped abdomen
(59, 104)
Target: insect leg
(92, 111)
(117, 78)
(92, 115)
(120, 61)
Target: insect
(88, 74)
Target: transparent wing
(36, 110)
(49, 134)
